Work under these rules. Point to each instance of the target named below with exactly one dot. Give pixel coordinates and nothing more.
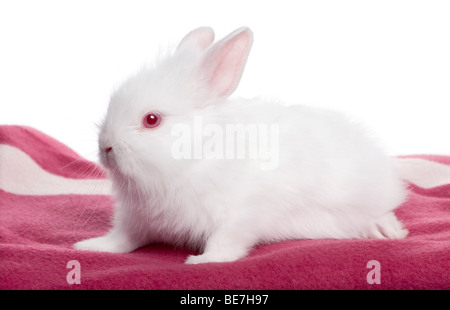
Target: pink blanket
(51, 198)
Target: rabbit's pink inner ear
(224, 63)
(200, 38)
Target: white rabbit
(329, 179)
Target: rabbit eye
(151, 120)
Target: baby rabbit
(191, 167)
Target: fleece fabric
(51, 198)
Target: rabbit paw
(387, 227)
(108, 243)
(211, 258)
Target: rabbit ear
(200, 38)
(224, 62)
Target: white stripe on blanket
(423, 173)
(21, 175)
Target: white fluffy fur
(332, 181)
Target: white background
(385, 63)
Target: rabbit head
(135, 137)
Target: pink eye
(152, 120)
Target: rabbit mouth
(108, 158)
(117, 162)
